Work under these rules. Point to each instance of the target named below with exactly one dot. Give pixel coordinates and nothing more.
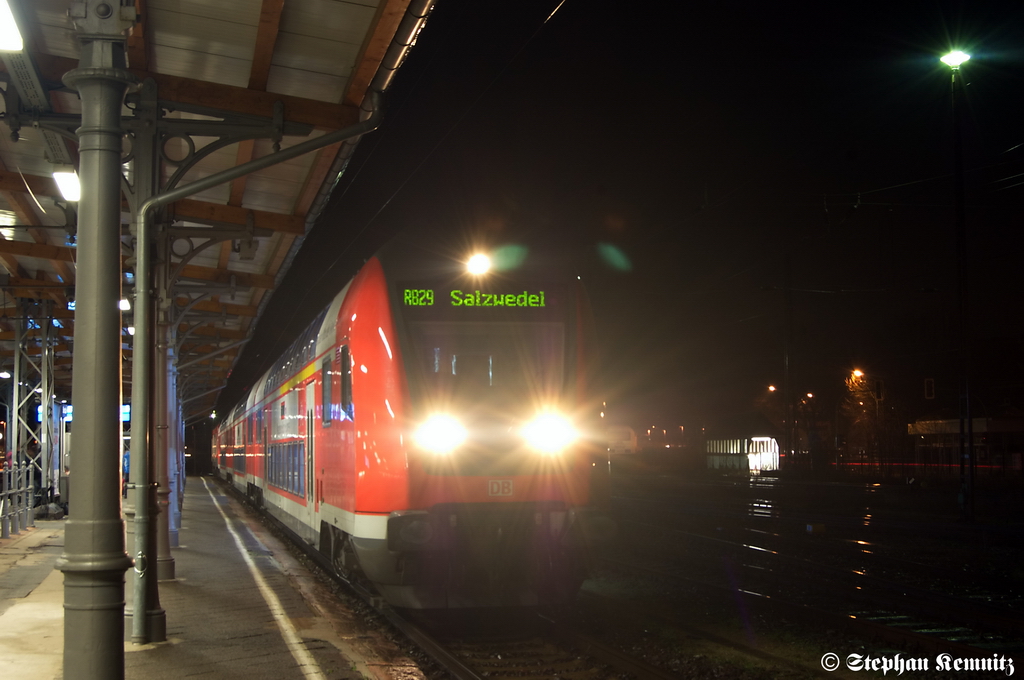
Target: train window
(501, 364)
(346, 381)
(326, 396)
(286, 467)
(474, 368)
(285, 423)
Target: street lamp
(954, 60)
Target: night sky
(731, 151)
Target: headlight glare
(549, 433)
(441, 433)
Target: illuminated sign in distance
(68, 412)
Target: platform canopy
(298, 69)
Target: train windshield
(500, 367)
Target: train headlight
(549, 433)
(441, 433)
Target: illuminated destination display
(461, 298)
(418, 297)
(424, 297)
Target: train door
(310, 466)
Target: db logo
(499, 487)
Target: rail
(15, 500)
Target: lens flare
(441, 433)
(479, 264)
(549, 433)
(614, 257)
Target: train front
(501, 452)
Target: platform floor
(239, 607)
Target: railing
(15, 500)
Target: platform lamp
(67, 181)
(10, 35)
(954, 60)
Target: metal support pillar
(966, 439)
(167, 529)
(148, 619)
(46, 429)
(164, 331)
(18, 441)
(176, 453)
(29, 381)
(12, 476)
(94, 559)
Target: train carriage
(431, 430)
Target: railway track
(712, 646)
(922, 590)
(837, 596)
(767, 502)
(527, 645)
(540, 647)
(568, 647)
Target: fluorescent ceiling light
(10, 36)
(67, 182)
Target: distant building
(746, 443)
(621, 439)
(754, 454)
(998, 445)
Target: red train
(432, 430)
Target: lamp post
(954, 60)
(862, 391)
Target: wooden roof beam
(219, 307)
(186, 209)
(227, 98)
